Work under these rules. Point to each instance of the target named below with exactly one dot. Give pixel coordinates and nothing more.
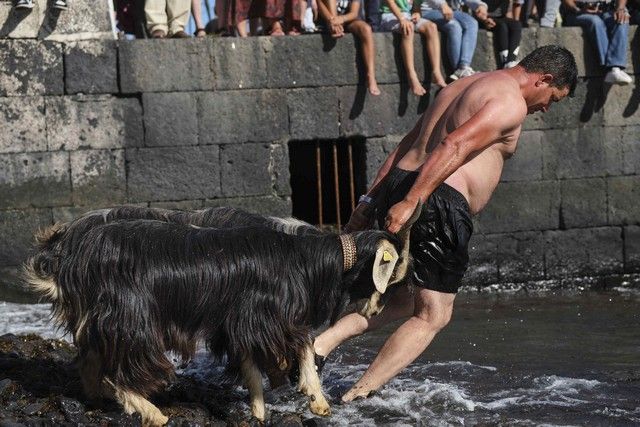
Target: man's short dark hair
(555, 60)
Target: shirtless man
(451, 161)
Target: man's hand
(406, 26)
(489, 23)
(621, 16)
(399, 214)
(481, 13)
(447, 12)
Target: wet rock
(285, 420)
(34, 408)
(72, 410)
(10, 423)
(315, 422)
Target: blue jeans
(461, 33)
(609, 36)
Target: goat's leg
(310, 383)
(133, 402)
(253, 381)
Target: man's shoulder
(499, 89)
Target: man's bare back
(479, 175)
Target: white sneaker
(511, 64)
(462, 72)
(617, 77)
(24, 4)
(60, 5)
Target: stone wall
(194, 123)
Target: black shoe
(294, 373)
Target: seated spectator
(233, 17)
(607, 25)
(461, 32)
(492, 15)
(396, 17)
(167, 18)
(343, 16)
(546, 11)
(275, 13)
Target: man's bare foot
(416, 87)
(373, 87)
(276, 29)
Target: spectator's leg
(548, 18)
(178, 15)
(406, 46)
(618, 36)
(515, 35)
(430, 32)
(156, 13)
(452, 31)
(501, 32)
(469, 37)
(596, 30)
(196, 11)
(363, 32)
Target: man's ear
(544, 79)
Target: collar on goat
(349, 253)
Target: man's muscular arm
(496, 119)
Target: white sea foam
(28, 319)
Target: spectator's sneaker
(60, 5)
(616, 76)
(511, 64)
(24, 4)
(462, 72)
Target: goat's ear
(384, 264)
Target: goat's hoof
(156, 420)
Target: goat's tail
(40, 270)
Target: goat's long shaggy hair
(130, 290)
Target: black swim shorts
(440, 236)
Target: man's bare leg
(399, 306)
(432, 313)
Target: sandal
(200, 32)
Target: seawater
(506, 359)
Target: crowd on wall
(606, 24)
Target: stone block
(580, 153)
(93, 122)
(624, 199)
(388, 60)
(17, 228)
(521, 206)
(240, 63)
(583, 252)
(631, 248)
(264, 112)
(30, 67)
(69, 213)
(279, 168)
(377, 151)
(168, 173)
(526, 164)
(584, 203)
(584, 109)
(22, 120)
(631, 149)
(484, 57)
(245, 170)
(289, 64)
(34, 180)
(98, 177)
(170, 119)
(263, 205)
(183, 205)
(82, 20)
(394, 112)
(313, 113)
(520, 256)
(18, 24)
(170, 65)
(577, 42)
(621, 106)
(483, 266)
(13, 288)
(91, 67)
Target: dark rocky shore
(39, 386)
